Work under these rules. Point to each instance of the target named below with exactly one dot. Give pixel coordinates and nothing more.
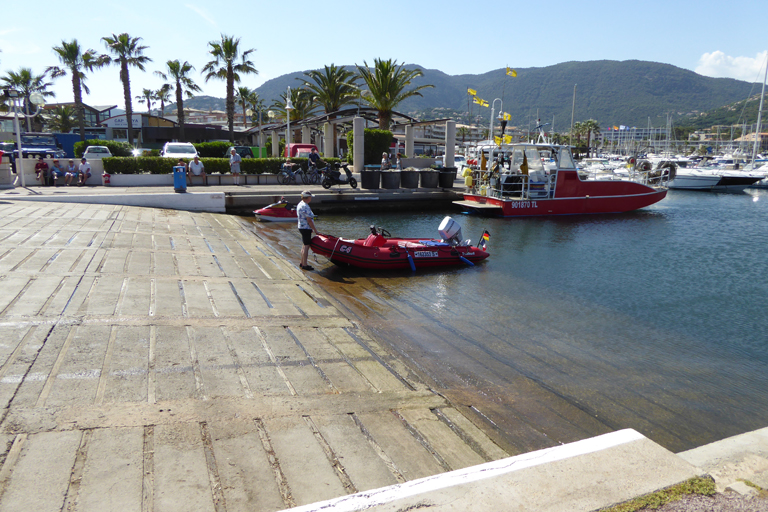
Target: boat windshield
(525, 154)
(565, 159)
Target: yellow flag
(507, 117)
(497, 140)
(511, 72)
(477, 100)
(471, 92)
(484, 103)
(507, 139)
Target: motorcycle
(333, 177)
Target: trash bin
(370, 179)
(390, 179)
(447, 177)
(429, 178)
(179, 178)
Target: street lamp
(288, 108)
(36, 99)
(493, 112)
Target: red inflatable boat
(380, 251)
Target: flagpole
(573, 109)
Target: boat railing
(653, 177)
(514, 186)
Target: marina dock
(160, 359)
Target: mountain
(612, 92)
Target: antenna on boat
(542, 135)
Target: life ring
(632, 161)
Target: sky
(709, 37)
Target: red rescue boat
(381, 251)
(282, 211)
(542, 179)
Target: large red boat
(381, 251)
(542, 179)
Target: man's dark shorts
(306, 236)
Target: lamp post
(36, 99)
(501, 106)
(288, 108)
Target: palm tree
(61, 119)
(245, 97)
(332, 88)
(126, 52)
(77, 62)
(181, 83)
(163, 95)
(228, 64)
(27, 83)
(590, 126)
(463, 132)
(147, 96)
(387, 83)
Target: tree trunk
(127, 94)
(180, 111)
(231, 102)
(79, 110)
(384, 119)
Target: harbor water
(575, 326)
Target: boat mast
(759, 117)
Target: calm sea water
(575, 326)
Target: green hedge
(159, 165)
(375, 141)
(116, 148)
(212, 149)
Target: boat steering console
(380, 231)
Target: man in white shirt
(197, 168)
(85, 171)
(234, 165)
(306, 227)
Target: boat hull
(278, 212)
(497, 207)
(394, 254)
(715, 182)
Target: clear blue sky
(710, 37)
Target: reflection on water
(576, 326)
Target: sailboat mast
(759, 117)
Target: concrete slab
(741, 457)
(585, 475)
(189, 201)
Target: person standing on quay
(234, 165)
(306, 227)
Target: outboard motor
(450, 231)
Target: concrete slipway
(157, 359)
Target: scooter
(333, 177)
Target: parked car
(34, 145)
(243, 151)
(96, 152)
(178, 150)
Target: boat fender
(468, 181)
(465, 260)
(410, 261)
